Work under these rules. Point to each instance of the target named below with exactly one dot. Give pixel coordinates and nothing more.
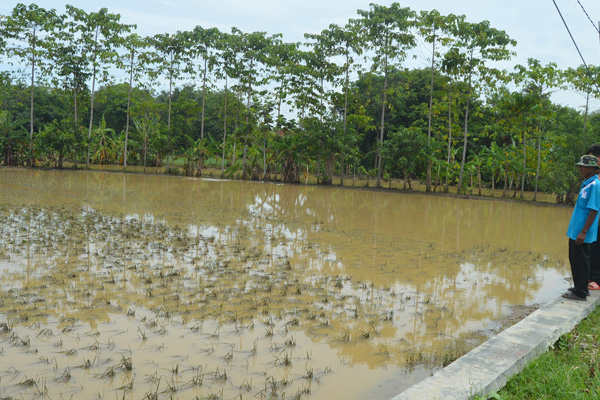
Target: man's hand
(588, 222)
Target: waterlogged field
(154, 287)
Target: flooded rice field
(120, 286)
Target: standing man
(594, 279)
(583, 228)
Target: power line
(587, 15)
(575, 43)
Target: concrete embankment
(487, 367)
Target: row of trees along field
(85, 88)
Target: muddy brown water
(148, 287)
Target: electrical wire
(587, 15)
(575, 43)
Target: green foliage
(405, 152)
(284, 110)
(568, 370)
(13, 138)
(196, 152)
(58, 138)
(149, 136)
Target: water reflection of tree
(198, 258)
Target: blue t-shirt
(588, 199)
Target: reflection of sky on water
(365, 234)
(415, 273)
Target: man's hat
(588, 161)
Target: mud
(133, 287)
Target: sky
(535, 24)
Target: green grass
(569, 370)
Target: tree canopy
(85, 87)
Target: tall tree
(133, 63)
(475, 45)
(30, 28)
(320, 70)
(170, 56)
(347, 42)
(434, 28)
(389, 38)
(227, 68)
(71, 63)
(584, 79)
(254, 51)
(204, 47)
(99, 33)
(538, 81)
(284, 58)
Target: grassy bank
(569, 370)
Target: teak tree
(475, 45)
(434, 28)
(389, 38)
(538, 80)
(133, 63)
(169, 57)
(30, 28)
(99, 34)
(347, 42)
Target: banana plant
(196, 152)
(102, 151)
(146, 128)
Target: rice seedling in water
(126, 363)
(226, 290)
(198, 378)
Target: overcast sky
(535, 24)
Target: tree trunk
(342, 169)
(224, 131)
(128, 110)
(76, 119)
(479, 178)
(203, 101)
(539, 161)
(464, 154)
(345, 114)
(264, 155)
(449, 140)
(169, 111)
(87, 160)
(380, 144)
(524, 165)
(31, 158)
(244, 167)
(429, 163)
(587, 101)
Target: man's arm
(588, 222)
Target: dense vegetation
(85, 88)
